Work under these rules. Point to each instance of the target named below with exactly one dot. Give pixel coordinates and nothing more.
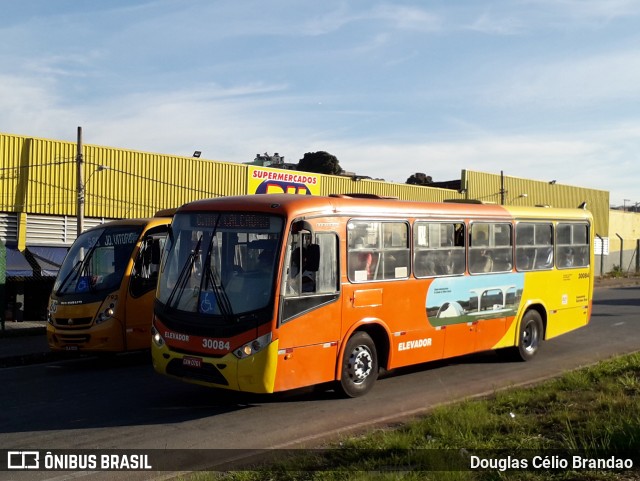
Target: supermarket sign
(274, 181)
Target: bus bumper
(254, 374)
(105, 337)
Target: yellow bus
(102, 299)
(275, 292)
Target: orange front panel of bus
(138, 319)
(305, 365)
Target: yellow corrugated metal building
(39, 193)
(38, 176)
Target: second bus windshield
(97, 260)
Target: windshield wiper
(222, 299)
(185, 273)
(77, 269)
(74, 270)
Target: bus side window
(147, 263)
(304, 265)
(572, 245)
(377, 250)
(362, 259)
(438, 248)
(534, 246)
(395, 250)
(320, 261)
(490, 248)
(313, 266)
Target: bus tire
(529, 337)
(359, 366)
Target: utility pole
(80, 184)
(503, 192)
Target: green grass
(595, 410)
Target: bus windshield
(97, 260)
(220, 265)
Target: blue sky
(545, 89)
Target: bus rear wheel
(530, 337)
(359, 366)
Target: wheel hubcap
(530, 338)
(360, 364)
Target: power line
(69, 198)
(162, 182)
(141, 177)
(48, 164)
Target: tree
(419, 179)
(320, 163)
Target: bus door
(142, 287)
(310, 314)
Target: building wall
(331, 184)
(627, 226)
(38, 193)
(487, 187)
(38, 177)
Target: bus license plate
(192, 361)
(70, 348)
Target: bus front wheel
(530, 337)
(359, 366)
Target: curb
(617, 282)
(21, 332)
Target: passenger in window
(196, 271)
(446, 263)
(581, 257)
(524, 258)
(484, 261)
(304, 278)
(456, 261)
(568, 259)
(364, 261)
(265, 260)
(426, 263)
(544, 258)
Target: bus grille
(207, 373)
(73, 322)
(74, 339)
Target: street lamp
(81, 197)
(521, 196)
(624, 204)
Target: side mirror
(300, 225)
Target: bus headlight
(156, 337)
(106, 314)
(107, 310)
(253, 347)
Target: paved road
(102, 404)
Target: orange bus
(102, 299)
(274, 292)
